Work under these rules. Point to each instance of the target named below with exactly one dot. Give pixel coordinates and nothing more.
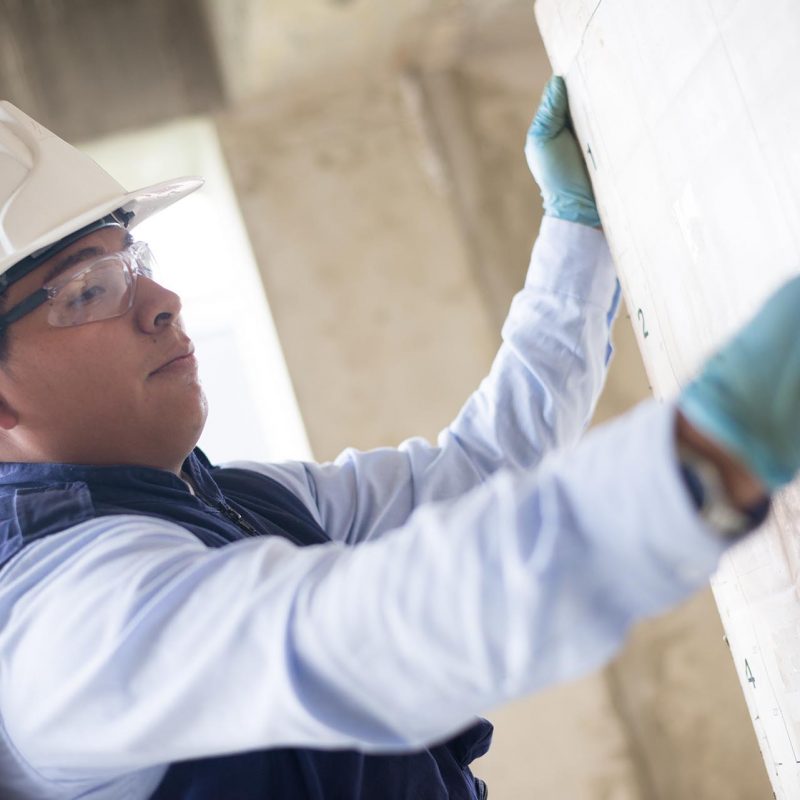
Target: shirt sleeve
(127, 643)
(539, 395)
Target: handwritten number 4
(591, 155)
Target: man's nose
(156, 308)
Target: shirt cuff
(574, 260)
(687, 546)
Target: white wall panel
(689, 114)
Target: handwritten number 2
(645, 332)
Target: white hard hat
(49, 191)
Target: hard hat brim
(139, 204)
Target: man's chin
(179, 430)
(197, 419)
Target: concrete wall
(85, 68)
(368, 321)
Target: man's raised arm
(544, 383)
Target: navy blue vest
(37, 500)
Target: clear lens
(101, 291)
(143, 258)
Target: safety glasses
(102, 290)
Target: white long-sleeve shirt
(500, 560)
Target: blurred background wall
(375, 152)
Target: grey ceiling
(89, 67)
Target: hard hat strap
(22, 268)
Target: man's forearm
(743, 488)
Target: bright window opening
(204, 255)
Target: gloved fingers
(553, 113)
(747, 396)
(556, 162)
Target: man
(177, 630)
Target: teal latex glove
(747, 397)
(556, 162)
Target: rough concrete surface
(365, 265)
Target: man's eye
(85, 295)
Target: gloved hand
(556, 162)
(747, 397)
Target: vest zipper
(233, 515)
(228, 511)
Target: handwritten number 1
(748, 674)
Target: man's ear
(8, 416)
